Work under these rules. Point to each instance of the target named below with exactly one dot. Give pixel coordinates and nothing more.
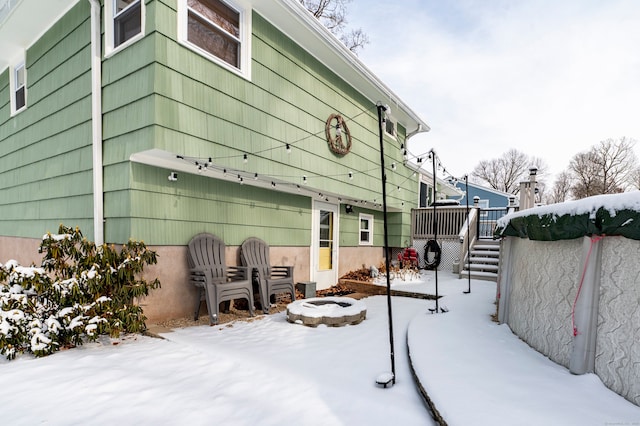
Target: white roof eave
(446, 187)
(27, 20)
(24, 22)
(290, 17)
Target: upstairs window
(18, 85)
(390, 127)
(21, 87)
(125, 20)
(216, 29)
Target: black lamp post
(383, 379)
(466, 198)
(434, 222)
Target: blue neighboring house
(488, 197)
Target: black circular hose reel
(432, 254)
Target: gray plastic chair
(272, 280)
(216, 282)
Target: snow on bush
(79, 293)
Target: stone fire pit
(331, 311)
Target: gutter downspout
(96, 122)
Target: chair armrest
(197, 274)
(282, 271)
(238, 273)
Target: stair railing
(465, 236)
(487, 219)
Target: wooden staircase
(485, 255)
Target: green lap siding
(45, 150)
(203, 110)
(158, 94)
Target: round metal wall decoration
(338, 134)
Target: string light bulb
(393, 166)
(350, 175)
(288, 149)
(255, 176)
(304, 179)
(245, 158)
(338, 130)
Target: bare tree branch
(635, 178)
(561, 190)
(506, 173)
(332, 14)
(605, 169)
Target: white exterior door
(324, 245)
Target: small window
(18, 84)
(390, 127)
(125, 20)
(216, 29)
(366, 230)
(483, 204)
(425, 195)
(21, 95)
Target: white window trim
(244, 10)
(13, 88)
(369, 218)
(110, 47)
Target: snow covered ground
(271, 372)
(479, 373)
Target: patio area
(271, 372)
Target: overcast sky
(549, 78)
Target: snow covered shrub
(80, 291)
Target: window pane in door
(325, 250)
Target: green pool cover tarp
(617, 214)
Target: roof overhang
(22, 22)
(425, 176)
(296, 22)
